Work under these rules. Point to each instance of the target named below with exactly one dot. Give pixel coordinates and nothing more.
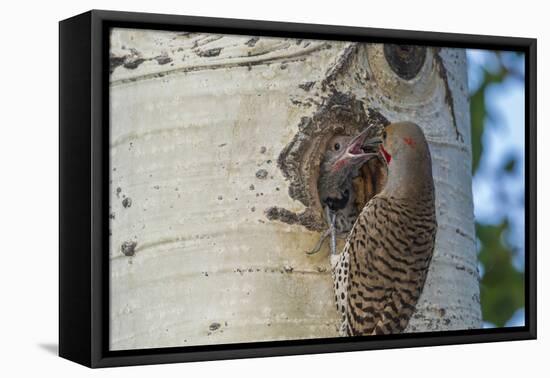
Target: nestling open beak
(359, 150)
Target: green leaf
(502, 285)
(510, 165)
(478, 116)
(479, 113)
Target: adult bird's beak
(359, 150)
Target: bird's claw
(331, 219)
(319, 244)
(333, 235)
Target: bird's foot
(319, 244)
(332, 230)
(331, 219)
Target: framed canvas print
(234, 188)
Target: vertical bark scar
(449, 100)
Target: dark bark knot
(405, 60)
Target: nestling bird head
(342, 159)
(406, 153)
(347, 153)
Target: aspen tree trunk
(199, 127)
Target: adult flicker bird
(381, 271)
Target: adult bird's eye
(336, 146)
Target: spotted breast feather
(381, 272)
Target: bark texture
(207, 134)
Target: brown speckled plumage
(380, 274)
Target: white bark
(196, 123)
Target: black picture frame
(83, 181)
